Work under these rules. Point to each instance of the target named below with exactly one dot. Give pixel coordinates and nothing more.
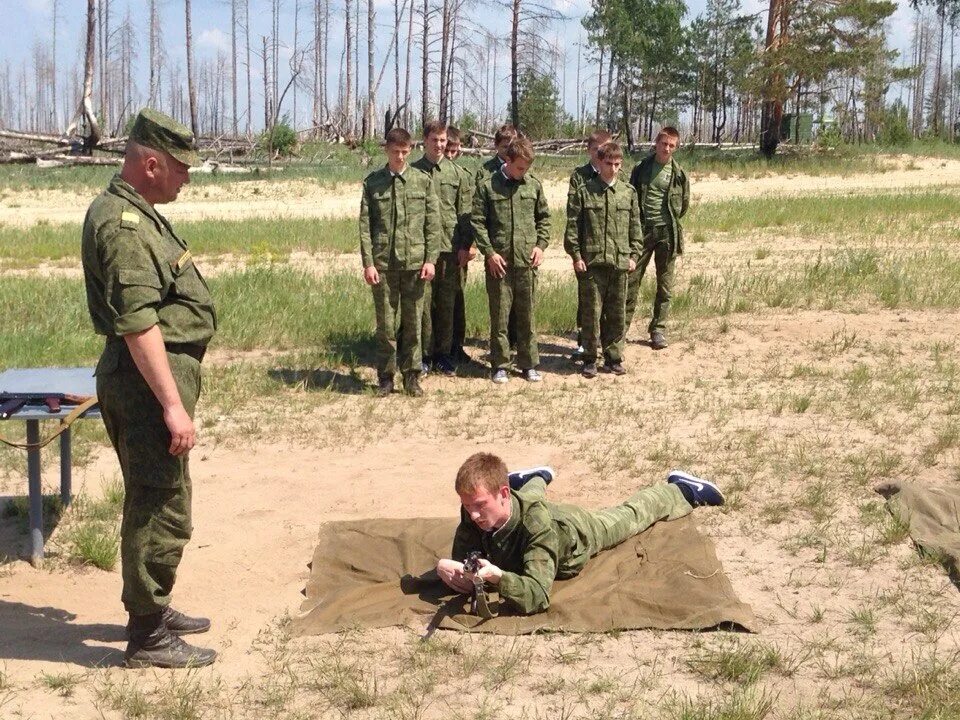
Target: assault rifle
(10, 403)
(479, 604)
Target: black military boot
(384, 386)
(153, 645)
(657, 340)
(411, 384)
(178, 623)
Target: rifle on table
(12, 402)
(479, 603)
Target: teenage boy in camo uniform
(453, 190)
(664, 192)
(527, 542)
(465, 250)
(399, 244)
(578, 177)
(603, 238)
(511, 227)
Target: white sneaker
(500, 377)
(532, 375)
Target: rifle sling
(64, 424)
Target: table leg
(36, 494)
(66, 473)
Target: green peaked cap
(156, 130)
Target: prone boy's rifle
(479, 604)
(11, 403)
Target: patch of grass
(863, 621)
(63, 684)
(929, 683)
(945, 438)
(18, 509)
(740, 705)
(741, 662)
(91, 542)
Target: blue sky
(29, 21)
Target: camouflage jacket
(603, 224)
(510, 218)
(452, 184)
(140, 273)
(540, 542)
(678, 194)
(487, 168)
(403, 225)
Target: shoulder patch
(129, 220)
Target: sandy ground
(260, 499)
(304, 199)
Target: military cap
(156, 130)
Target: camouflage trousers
(658, 244)
(603, 529)
(447, 288)
(156, 523)
(582, 292)
(398, 297)
(515, 292)
(604, 302)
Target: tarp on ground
(932, 516)
(378, 573)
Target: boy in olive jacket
(399, 245)
(511, 226)
(664, 194)
(603, 239)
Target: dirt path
(305, 199)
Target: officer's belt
(193, 350)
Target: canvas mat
(932, 516)
(378, 573)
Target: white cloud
(215, 38)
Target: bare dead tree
(348, 94)
(246, 29)
(53, 58)
(154, 51)
(444, 49)
(425, 105)
(233, 63)
(191, 87)
(85, 114)
(406, 83)
(368, 115)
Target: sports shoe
(178, 623)
(152, 644)
(444, 365)
(424, 368)
(499, 376)
(616, 368)
(697, 491)
(589, 370)
(657, 340)
(519, 478)
(531, 375)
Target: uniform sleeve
(636, 228)
(366, 245)
(132, 279)
(541, 216)
(529, 590)
(433, 227)
(571, 239)
(685, 199)
(463, 236)
(466, 539)
(478, 221)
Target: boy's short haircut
(598, 138)
(519, 147)
(398, 136)
(504, 133)
(434, 126)
(481, 471)
(669, 131)
(453, 133)
(609, 151)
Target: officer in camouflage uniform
(603, 237)
(527, 542)
(465, 251)
(511, 227)
(664, 192)
(453, 189)
(399, 244)
(147, 297)
(578, 177)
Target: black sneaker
(152, 644)
(657, 340)
(444, 365)
(519, 478)
(589, 370)
(697, 491)
(178, 623)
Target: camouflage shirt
(603, 224)
(139, 273)
(540, 542)
(399, 219)
(510, 217)
(452, 184)
(487, 168)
